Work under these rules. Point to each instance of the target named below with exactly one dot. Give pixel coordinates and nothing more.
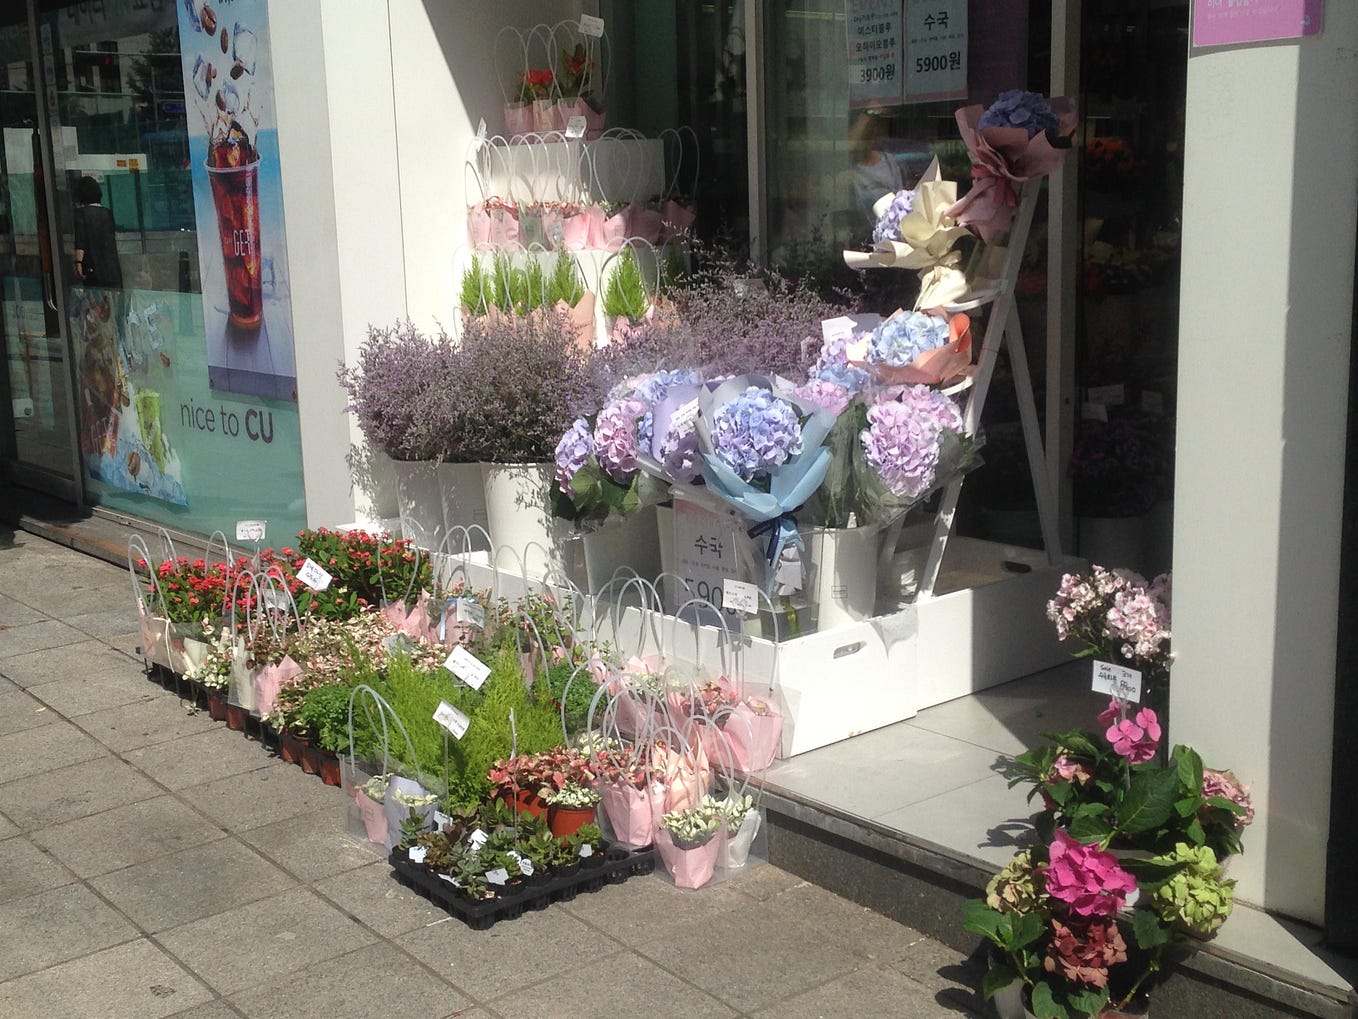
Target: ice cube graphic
(244, 47)
(202, 80)
(231, 97)
(191, 7)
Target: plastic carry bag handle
(504, 40)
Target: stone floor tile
(16, 613)
(200, 758)
(72, 588)
(870, 991)
(763, 881)
(375, 981)
(157, 720)
(645, 907)
(19, 711)
(189, 885)
(123, 836)
(636, 987)
(263, 796)
(376, 898)
(46, 748)
(873, 937)
(313, 846)
(750, 956)
(26, 870)
(105, 623)
(53, 926)
(8, 828)
(132, 981)
(215, 1009)
(116, 682)
(257, 943)
(492, 963)
(126, 643)
(27, 638)
(54, 797)
(79, 659)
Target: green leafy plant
(325, 713)
(475, 287)
(564, 282)
(625, 294)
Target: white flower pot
(664, 522)
(841, 566)
(462, 492)
(1114, 542)
(417, 488)
(519, 514)
(735, 848)
(633, 543)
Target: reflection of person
(96, 246)
(874, 172)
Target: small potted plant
(325, 714)
(688, 844)
(571, 806)
(740, 824)
(627, 301)
(633, 797)
(588, 841)
(368, 798)
(214, 672)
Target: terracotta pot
(330, 768)
(216, 706)
(526, 801)
(290, 748)
(236, 717)
(311, 757)
(566, 821)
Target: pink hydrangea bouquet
(1119, 616)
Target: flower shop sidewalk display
(1125, 873)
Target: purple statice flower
(888, 226)
(755, 433)
(846, 376)
(825, 393)
(834, 351)
(902, 338)
(615, 439)
(901, 442)
(572, 452)
(679, 452)
(1016, 108)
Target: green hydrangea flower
(1197, 896)
(1013, 889)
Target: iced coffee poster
(238, 196)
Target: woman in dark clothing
(96, 248)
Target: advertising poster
(238, 196)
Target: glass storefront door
(37, 422)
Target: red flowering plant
(535, 84)
(190, 590)
(364, 568)
(1076, 922)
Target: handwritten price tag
(467, 667)
(481, 129)
(1117, 681)
(250, 530)
(591, 26)
(469, 611)
(738, 595)
(476, 840)
(840, 328)
(575, 127)
(451, 719)
(313, 576)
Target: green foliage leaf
(1027, 928)
(1090, 828)
(989, 923)
(1148, 930)
(1149, 800)
(1189, 766)
(1044, 1005)
(997, 978)
(1089, 1001)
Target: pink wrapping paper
(753, 738)
(690, 868)
(373, 815)
(639, 221)
(518, 118)
(594, 121)
(687, 775)
(478, 226)
(269, 680)
(504, 227)
(931, 367)
(612, 230)
(633, 813)
(575, 230)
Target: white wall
(443, 64)
(1267, 286)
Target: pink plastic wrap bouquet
(915, 348)
(1019, 137)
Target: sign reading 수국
(935, 50)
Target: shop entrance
(91, 103)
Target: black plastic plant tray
(619, 864)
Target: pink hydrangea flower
(1137, 738)
(1112, 713)
(1086, 878)
(1068, 769)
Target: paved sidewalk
(153, 863)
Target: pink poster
(1224, 22)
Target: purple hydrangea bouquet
(915, 347)
(1022, 135)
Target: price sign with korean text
(251, 530)
(703, 552)
(935, 50)
(314, 576)
(1117, 681)
(452, 720)
(874, 35)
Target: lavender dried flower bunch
(390, 386)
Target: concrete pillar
(1266, 307)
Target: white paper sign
(467, 667)
(525, 866)
(417, 853)
(313, 576)
(586, 850)
(1108, 396)
(875, 39)
(740, 596)
(476, 840)
(575, 126)
(935, 50)
(840, 328)
(498, 876)
(591, 26)
(1093, 412)
(441, 819)
(451, 719)
(469, 610)
(1117, 681)
(684, 416)
(481, 129)
(704, 552)
(250, 530)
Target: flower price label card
(451, 719)
(467, 667)
(314, 576)
(250, 530)
(1117, 681)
